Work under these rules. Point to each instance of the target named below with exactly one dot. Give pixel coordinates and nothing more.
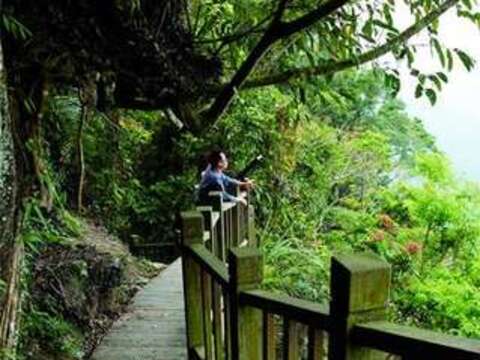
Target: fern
(14, 27)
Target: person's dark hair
(214, 158)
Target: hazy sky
(455, 119)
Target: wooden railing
(228, 316)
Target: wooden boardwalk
(154, 329)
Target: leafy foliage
(343, 175)
(347, 169)
(55, 335)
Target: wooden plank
(207, 217)
(207, 314)
(245, 267)
(359, 291)
(235, 229)
(228, 230)
(315, 344)
(227, 324)
(413, 343)
(251, 232)
(215, 217)
(226, 206)
(219, 239)
(206, 236)
(204, 208)
(192, 232)
(209, 262)
(216, 201)
(269, 337)
(303, 311)
(214, 240)
(217, 322)
(155, 323)
(193, 305)
(198, 353)
(290, 340)
(238, 224)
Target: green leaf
(468, 4)
(393, 82)
(367, 30)
(388, 14)
(436, 81)
(449, 60)
(14, 27)
(466, 60)
(422, 78)
(419, 91)
(410, 57)
(439, 51)
(442, 77)
(385, 26)
(432, 96)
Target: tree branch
(282, 5)
(276, 31)
(331, 67)
(226, 39)
(226, 95)
(303, 22)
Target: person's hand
(249, 184)
(242, 200)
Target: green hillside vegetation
(105, 124)
(348, 170)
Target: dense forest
(107, 112)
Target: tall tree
(10, 248)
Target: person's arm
(235, 199)
(228, 181)
(218, 183)
(229, 197)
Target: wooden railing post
(250, 231)
(216, 201)
(360, 286)
(206, 211)
(236, 220)
(246, 332)
(192, 233)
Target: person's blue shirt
(214, 180)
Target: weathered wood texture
(228, 316)
(192, 235)
(233, 319)
(359, 291)
(154, 329)
(412, 343)
(246, 272)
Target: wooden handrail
(215, 218)
(198, 353)
(228, 205)
(303, 311)
(209, 262)
(229, 317)
(414, 343)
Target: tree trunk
(87, 100)
(81, 158)
(38, 149)
(11, 248)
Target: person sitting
(213, 179)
